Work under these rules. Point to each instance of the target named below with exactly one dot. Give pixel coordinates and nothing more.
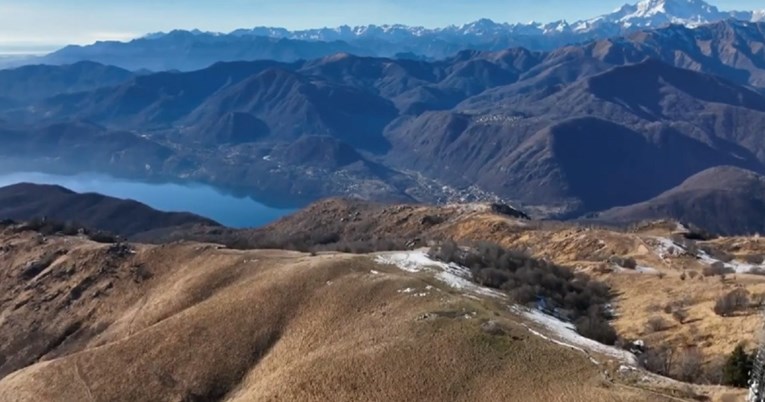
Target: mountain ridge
(127, 218)
(478, 125)
(195, 49)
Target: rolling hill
(272, 323)
(722, 199)
(25, 201)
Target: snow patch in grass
(639, 270)
(453, 275)
(646, 270)
(458, 277)
(667, 247)
(564, 333)
(736, 266)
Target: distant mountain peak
(629, 17)
(654, 13)
(197, 49)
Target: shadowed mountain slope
(27, 201)
(723, 200)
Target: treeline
(556, 290)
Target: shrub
(717, 268)
(754, 259)
(697, 233)
(657, 360)
(596, 328)
(680, 315)
(757, 271)
(737, 367)
(492, 277)
(657, 324)
(624, 262)
(531, 281)
(689, 365)
(432, 220)
(735, 300)
(717, 254)
(630, 263)
(103, 237)
(758, 299)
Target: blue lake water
(200, 199)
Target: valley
(486, 211)
(544, 131)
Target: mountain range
(570, 132)
(189, 50)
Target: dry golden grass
(641, 296)
(211, 324)
(645, 296)
(188, 321)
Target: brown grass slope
(191, 322)
(674, 279)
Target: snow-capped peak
(656, 13)
(695, 11)
(628, 18)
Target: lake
(229, 210)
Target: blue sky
(39, 25)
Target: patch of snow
(453, 275)
(457, 277)
(667, 247)
(409, 261)
(638, 270)
(373, 272)
(646, 270)
(737, 266)
(407, 290)
(565, 334)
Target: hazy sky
(40, 25)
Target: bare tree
(689, 365)
(657, 360)
(735, 300)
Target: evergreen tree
(737, 368)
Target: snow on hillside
(453, 275)
(664, 247)
(458, 278)
(565, 335)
